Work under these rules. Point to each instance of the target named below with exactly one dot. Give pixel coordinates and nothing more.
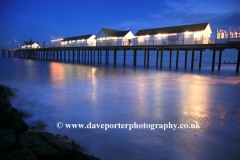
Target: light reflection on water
(71, 93)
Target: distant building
(30, 44)
(224, 36)
(78, 41)
(177, 35)
(110, 37)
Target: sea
(204, 105)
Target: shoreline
(20, 141)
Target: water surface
(77, 93)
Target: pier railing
(188, 41)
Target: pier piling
(147, 58)
(220, 60)
(177, 59)
(213, 60)
(135, 58)
(192, 63)
(115, 57)
(161, 59)
(238, 61)
(170, 61)
(200, 60)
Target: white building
(110, 37)
(177, 35)
(224, 36)
(78, 41)
(30, 44)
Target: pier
(87, 54)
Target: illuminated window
(140, 39)
(218, 35)
(222, 35)
(235, 35)
(197, 36)
(226, 35)
(231, 35)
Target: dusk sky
(45, 20)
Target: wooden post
(177, 59)
(238, 61)
(69, 55)
(213, 60)
(85, 56)
(101, 56)
(73, 55)
(145, 58)
(115, 57)
(61, 55)
(135, 58)
(185, 66)
(124, 58)
(192, 60)
(98, 56)
(170, 61)
(220, 60)
(52, 55)
(65, 55)
(157, 58)
(94, 56)
(161, 59)
(91, 56)
(200, 60)
(88, 56)
(106, 62)
(148, 58)
(79, 55)
(82, 56)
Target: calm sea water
(81, 93)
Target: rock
(21, 113)
(7, 104)
(37, 125)
(10, 120)
(3, 92)
(45, 145)
(7, 140)
(65, 140)
(19, 154)
(79, 155)
(6, 91)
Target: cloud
(218, 13)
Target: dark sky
(44, 20)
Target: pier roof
(174, 29)
(29, 42)
(115, 33)
(78, 37)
